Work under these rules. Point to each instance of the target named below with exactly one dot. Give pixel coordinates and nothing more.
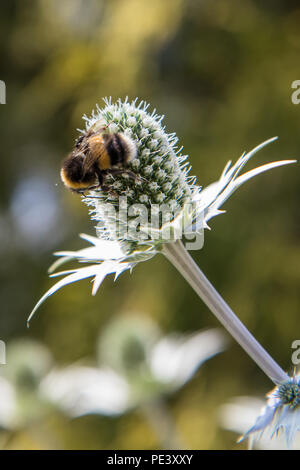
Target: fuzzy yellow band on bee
(104, 162)
(97, 148)
(70, 183)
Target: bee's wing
(89, 160)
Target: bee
(96, 154)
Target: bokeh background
(221, 72)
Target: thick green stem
(181, 259)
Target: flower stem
(181, 259)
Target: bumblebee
(96, 154)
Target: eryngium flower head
(22, 402)
(282, 413)
(152, 202)
(148, 202)
(137, 365)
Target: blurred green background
(221, 72)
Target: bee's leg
(90, 188)
(131, 174)
(91, 197)
(101, 177)
(136, 177)
(81, 191)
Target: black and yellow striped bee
(97, 153)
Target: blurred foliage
(221, 72)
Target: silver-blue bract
(282, 413)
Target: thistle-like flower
(282, 413)
(136, 366)
(22, 402)
(238, 416)
(137, 216)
